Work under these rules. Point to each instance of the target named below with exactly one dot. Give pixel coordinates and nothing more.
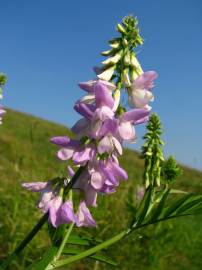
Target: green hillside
(26, 155)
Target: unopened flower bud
(115, 45)
(107, 74)
(112, 60)
(127, 59)
(117, 96)
(121, 29)
(106, 53)
(126, 78)
(125, 42)
(134, 62)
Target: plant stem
(91, 250)
(24, 243)
(107, 243)
(64, 242)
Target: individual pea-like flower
(139, 94)
(61, 213)
(83, 216)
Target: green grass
(27, 155)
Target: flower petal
(60, 140)
(84, 217)
(65, 153)
(35, 186)
(102, 95)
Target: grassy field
(26, 155)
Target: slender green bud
(3, 79)
(121, 29)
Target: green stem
(24, 243)
(90, 251)
(64, 242)
(107, 243)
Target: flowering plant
(92, 157)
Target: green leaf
(45, 260)
(177, 191)
(190, 204)
(76, 239)
(158, 210)
(97, 257)
(172, 209)
(144, 206)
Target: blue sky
(48, 46)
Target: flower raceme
(99, 136)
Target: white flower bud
(117, 96)
(127, 59)
(126, 78)
(112, 60)
(115, 45)
(106, 53)
(134, 62)
(107, 74)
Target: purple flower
(90, 85)
(127, 121)
(83, 216)
(109, 144)
(54, 207)
(46, 191)
(140, 94)
(66, 213)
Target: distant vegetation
(26, 155)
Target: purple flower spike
(83, 216)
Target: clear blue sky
(48, 46)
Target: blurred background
(47, 47)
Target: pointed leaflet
(75, 239)
(172, 209)
(158, 210)
(144, 206)
(190, 204)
